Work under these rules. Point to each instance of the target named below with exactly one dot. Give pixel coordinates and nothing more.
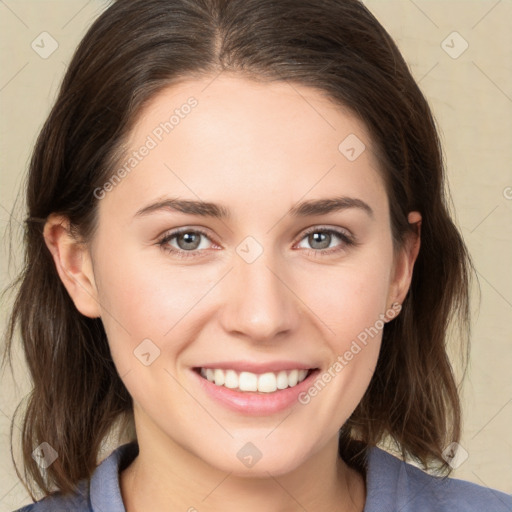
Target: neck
(166, 476)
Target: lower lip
(254, 403)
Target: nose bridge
(259, 305)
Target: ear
(73, 263)
(404, 262)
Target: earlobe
(405, 261)
(73, 263)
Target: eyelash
(348, 241)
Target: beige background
(471, 97)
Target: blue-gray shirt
(391, 484)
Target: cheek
(350, 302)
(142, 301)
(350, 297)
(351, 305)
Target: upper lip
(253, 367)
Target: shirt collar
(105, 491)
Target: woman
(196, 154)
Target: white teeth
(247, 381)
(293, 377)
(282, 380)
(267, 383)
(231, 379)
(218, 377)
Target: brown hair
(132, 51)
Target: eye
(320, 240)
(188, 241)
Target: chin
(248, 461)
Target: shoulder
(57, 502)
(101, 492)
(396, 485)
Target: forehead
(228, 137)
(236, 99)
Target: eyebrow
(314, 207)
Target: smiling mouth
(268, 382)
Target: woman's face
(266, 288)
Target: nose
(259, 304)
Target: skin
(258, 149)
